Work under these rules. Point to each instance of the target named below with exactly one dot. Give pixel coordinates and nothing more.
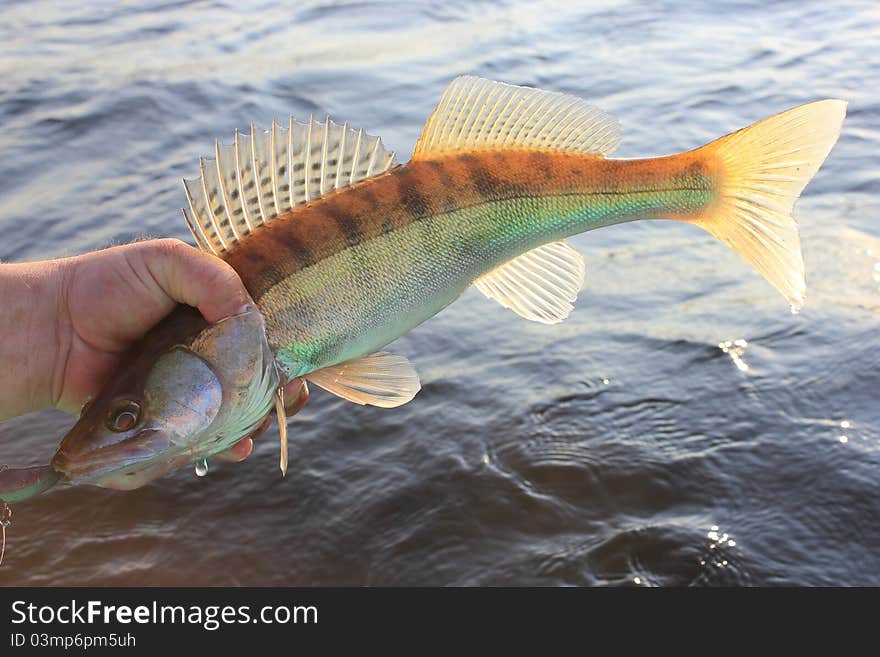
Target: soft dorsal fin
(475, 113)
(380, 379)
(539, 285)
(265, 173)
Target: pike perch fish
(343, 251)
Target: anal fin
(540, 285)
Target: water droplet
(637, 580)
(795, 310)
(605, 381)
(845, 424)
(201, 468)
(843, 439)
(731, 543)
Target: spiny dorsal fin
(539, 285)
(265, 173)
(380, 379)
(475, 114)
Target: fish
(343, 250)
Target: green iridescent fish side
(368, 294)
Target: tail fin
(763, 170)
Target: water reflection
(735, 349)
(719, 555)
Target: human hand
(77, 316)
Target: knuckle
(160, 252)
(170, 246)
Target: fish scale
(329, 307)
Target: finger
(296, 395)
(299, 393)
(238, 452)
(197, 279)
(263, 427)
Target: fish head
(177, 399)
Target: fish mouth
(93, 471)
(17, 484)
(76, 471)
(107, 465)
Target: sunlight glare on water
(736, 349)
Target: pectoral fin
(282, 428)
(289, 406)
(380, 379)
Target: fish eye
(124, 415)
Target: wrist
(35, 330)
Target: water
(682, 427)
(201, 468)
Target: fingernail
(246, 308)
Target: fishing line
(5, 519)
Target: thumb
(197, 279)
